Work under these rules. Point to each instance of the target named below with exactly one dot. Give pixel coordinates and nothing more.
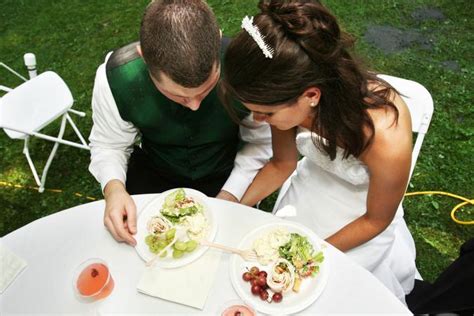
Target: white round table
(54, 245)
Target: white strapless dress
(329, 194)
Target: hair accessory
(247, 24)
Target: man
(163, 92)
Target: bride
(292, 68)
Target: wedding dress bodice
(349, 169)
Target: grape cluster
(181, 247)
(156, 243)
(259, 286)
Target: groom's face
(187, 97)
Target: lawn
(72, 37)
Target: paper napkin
(189, 285)
(10, 266)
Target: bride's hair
(310, 50)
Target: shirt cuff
(110, 173)
(236, 185)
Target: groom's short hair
(180, 38)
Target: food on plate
(300, 252)
(158, 225)
(157, 242)
(277, 297)
(177, 212)
(281, 276)
(259, 284)
(267, 246)
(177, 205)
(196, 225)
(182, 247)
(297, 284)
(290, 258)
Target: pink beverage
(93, 280)
(238, 310)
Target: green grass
(72, 37)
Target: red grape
(256, 290)
(264, 295)
(261, 281)
(253, 282)
(254, 270)
(262, 273)
(247, 276)
(277, 297)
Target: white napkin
(10, 266)
(188, 285)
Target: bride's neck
(307, 123)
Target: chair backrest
(34, 104)
(420, 104)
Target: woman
(292, 68)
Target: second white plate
(292, 302)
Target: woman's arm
(388, 159)
(277, 170)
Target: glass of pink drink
(92, 280)
(237, 308)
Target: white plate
(153, 208)
(292, 302)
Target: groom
(158, 123)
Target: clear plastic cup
(234, 307)
(92, 280)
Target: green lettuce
(172, 212)
(300, 252)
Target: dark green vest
(182, 143)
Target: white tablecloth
(54, 245)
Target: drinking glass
(92, 280)
(236, 307)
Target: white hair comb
(247, 24)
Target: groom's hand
(120, 213)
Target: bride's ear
(313, 95)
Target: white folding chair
(420, 105)
(28, 108)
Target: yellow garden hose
(453, 211)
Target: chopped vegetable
(300, 252)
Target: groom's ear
(139, 51)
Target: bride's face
(283, 116)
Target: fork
(246, 254)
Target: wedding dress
(328, 195)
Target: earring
(313, 104)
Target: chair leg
(76, 130)
(53, 153)
(30, 162)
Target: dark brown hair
(310, 50)
(180, 38)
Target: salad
(177, 206)
(177, 212)
(291, 258)
(300, 252)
